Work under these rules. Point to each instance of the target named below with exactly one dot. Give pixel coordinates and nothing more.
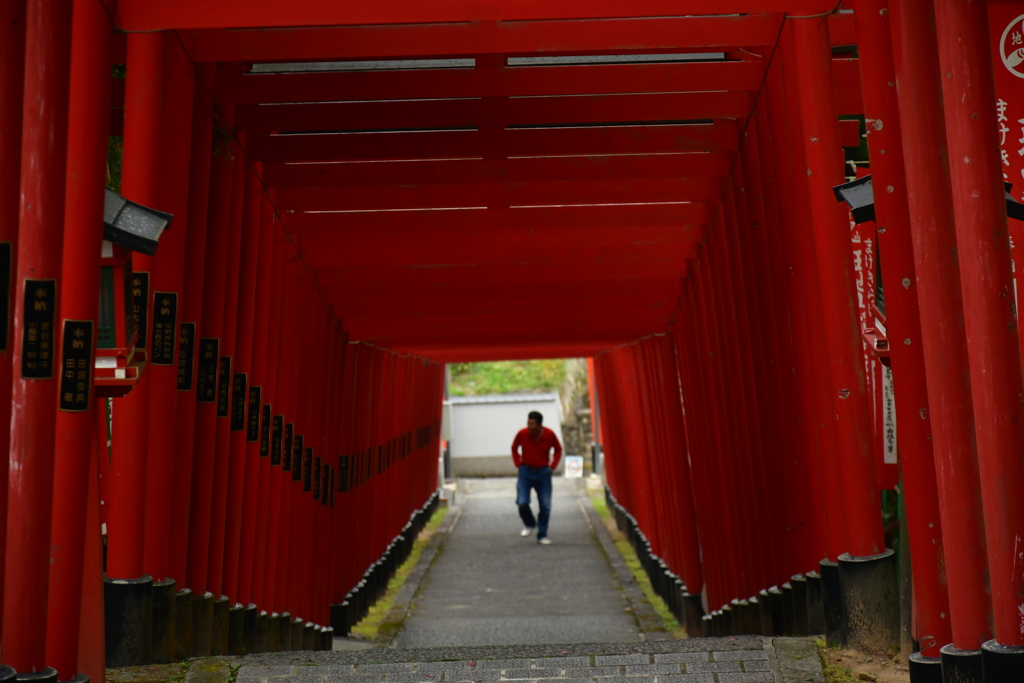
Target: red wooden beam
(508, 328)
(585, 294)
(143, 15)
(527, 111)
(541, 303)
(849, 133)
(474, 144)
(474, 37)
(478, 354)
(387, 276)
(544, 248)
(420, 283)
(439, 225)
(539, 81)
(503, 170)
(338, 252)
(642, 190)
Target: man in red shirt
(531, 452)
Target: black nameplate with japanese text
(275, 440)
(297, 458)
(186, 355)
(6, 273)
(224, 387)
(37, 343)
(165, 323)
(252, 420)
(325, 483)
(239, 398)
(286, 448)
(307, 470)
(265, 432)
(316, 473)
(140, 312)
(331, 484)
(206, 385)
(76, 366)
(343, 473)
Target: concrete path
(489, 586)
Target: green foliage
(507, 377)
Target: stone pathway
(496, 608)
(489, 586)
(745, 659)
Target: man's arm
(558, 452)
(515, 451)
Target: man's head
(535, 423)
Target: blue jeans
(539, 479)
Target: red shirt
(535, 453)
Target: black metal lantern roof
(131, 225)
(860, 197)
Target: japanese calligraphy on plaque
(6, 260)
(140, 297)
(307, 471)
(286, 448)
(275, 440)
(297, 459)
(252, 423)
(331, 484)
(238, 400)
(165, 323)
(325, 483)
(76, 366)
(186, 355)
(206, 386)
(316, 474)
(224, 387)
(265, 432)
(37, 331)
(343, 473)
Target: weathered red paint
(901, 304)
(943, 335)
(993, 335)
(75, 475)
(849, 390)
(40, 240)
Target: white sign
(573, 466)
(889, 455)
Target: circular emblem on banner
(1011, 47)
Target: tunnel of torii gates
(363, 192)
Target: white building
(480, 430)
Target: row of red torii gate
(256, 403)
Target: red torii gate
(337, 235)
